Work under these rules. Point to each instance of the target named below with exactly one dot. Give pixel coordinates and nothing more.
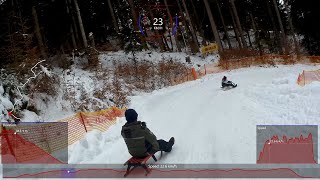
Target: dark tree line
(31, 29)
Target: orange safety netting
(307, 77)
(84, 122)
(37, 142)
(192, 74)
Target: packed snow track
(211, 125)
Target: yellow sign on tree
(213, 47)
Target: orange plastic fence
(209, 69)
(45, 139)
(267, 59)
(183, 77)
(307, 77)
(304, 78)
(84, 122)
(192, 74)
(251, 61)
(313, 59)
(270, 59)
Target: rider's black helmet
(224, 78)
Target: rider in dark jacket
(139, 139)
(226, 83)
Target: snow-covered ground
(78, 83)
(85, 82)
(211, 125)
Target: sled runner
(229, 87)
(136, 162)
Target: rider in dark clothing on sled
(140, 141)
(226, 83)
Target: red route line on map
(165, 171)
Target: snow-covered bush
(148, 76)
(5, 105)
(16, 96)
(10, 96)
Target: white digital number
(158, 21)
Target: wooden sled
(133, 163)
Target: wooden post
(187, 76)
(194, 74)
(304, 79)
(205, 70)
(227, 65)
(85, 128)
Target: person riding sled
(226, 83)
(140, 141)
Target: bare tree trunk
(73, 39)
(199, 25)
(175, 36)
(257, 38)
(114, 19)
(295, 41)
(186, 27)
(91, 40)
(170, 38)
(276, 32)
(62, 49)
(165, 42)
(193, 33)
(283, 35)
(135, 21)
(76, 33)
(296, 44)
(198, 22)
(224, 25)
(134, 15)
(234, 9)
(236, 32)
(12, 44)
(38, 33)
(248, 34)
(213, 26)
(83, 34)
